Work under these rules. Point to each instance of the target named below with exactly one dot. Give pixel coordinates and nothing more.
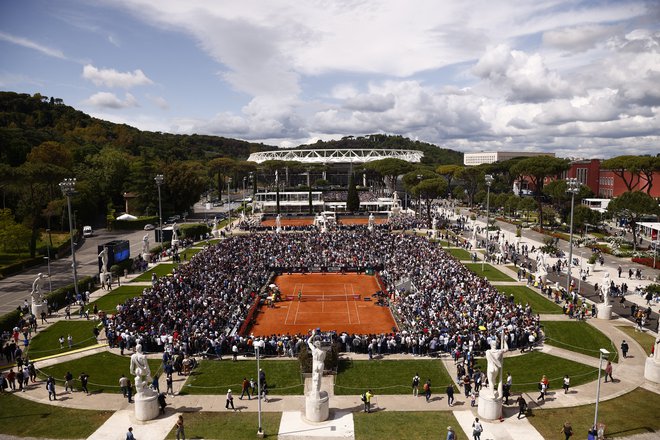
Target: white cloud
(20, 41)
(580, 38)
(111, 101)
(113, 78)
(159, 101)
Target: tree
(526, 204)
(389, 169)
(221, 167)
(561, 200)
(353, 198)
(448, 172)
(470, 178)
(627, 168)
(583, 216)
(633, 206)
(536, 169)
(183, 186)
(429, 190)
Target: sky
(576, 78)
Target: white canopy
(127, 217)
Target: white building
(474, 159)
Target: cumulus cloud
(159, 101)
(113, 78)
(580, 38)
(370, 102)
(109, 100)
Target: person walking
(477, 429)
(170, 384)
(450, 395)
(68, 382)
(230, 400)
(451, 435)
(522, 406)
(567, 383)
(180, 433)
(624, 348)
(366, 398)
(245, 388)
(427, 389)
(123, 385)
(608, 371)
(83, 381)
(567, 430)
(129, 434)
(50, 386)
(415, 385)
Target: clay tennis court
(330, 301)
(309, 221)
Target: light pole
(68, 187)
(257, 346)
(580, 277)
(50, 282)
(572, 187)
(229, 200)
(605, 353)
(159, 181)
(489, 181)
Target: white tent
(127, 217)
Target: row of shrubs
(9, 320)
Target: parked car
(149, 227)
(87, 231)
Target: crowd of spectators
(202, 304)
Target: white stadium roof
(344, 155)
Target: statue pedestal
(146, 406)
(146, 257)
(604, 311)
(278, 229)
(175, 243)
(490, 408)
(38, 308)
(652, 370)
(317, 409)
(215, 233)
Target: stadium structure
(332, 166)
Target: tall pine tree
(353, 199)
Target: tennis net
(323, 297)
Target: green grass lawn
(104, 370)
(644, 339)
(189, 253)
(528, 369)
(389, 376)
(25, 418)
(525, 295)
(632, 413)
(215, 377)
(489, 272)
(414, 425)
(228, 425)
(45, 343)
(109, 301)
(460, 254)
(580, 337)
(160, 270)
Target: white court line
(298, 307)
(286, 319)
(357, 312)
(348, 310)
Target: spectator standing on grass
(61, 341)
(69, 340)
(567, 430)
(180, 433)
(415, 385)
(451, 435)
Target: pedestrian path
(117, 425)
(510, 428)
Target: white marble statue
(37, 295)
(140, 368)
(145, 244)
(104, 261)
(278, 222)
(434, 224)
(395, 200)
(605, 288)
(495, 357)
(371, 222)
(318, 356)
(541, 268)
(215, 232)
(175, 234)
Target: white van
(87, 231)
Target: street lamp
(605, 353)
(229, 200)
(489, 181)
(258, 345)
(159, 181)
(572, 187)
(68, 187)
(50, 283)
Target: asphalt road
(16, 288)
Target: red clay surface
(352, 316)
(310, 221)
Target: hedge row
(193, 230)
(9, 320)
(20, 266)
